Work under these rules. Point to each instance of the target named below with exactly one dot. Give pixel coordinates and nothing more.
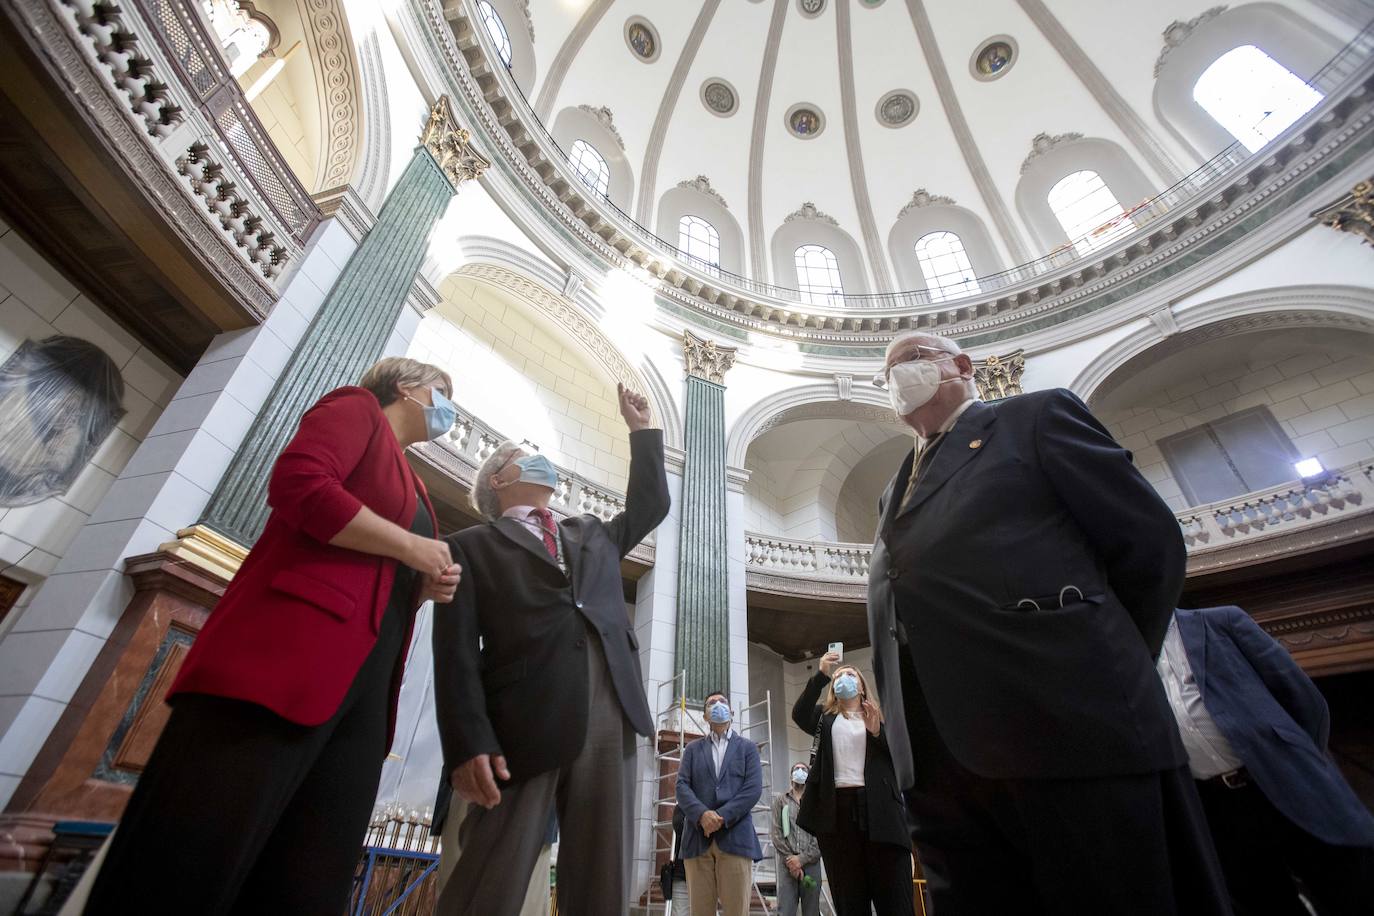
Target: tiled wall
(37, 302)
(1323, 400)
(510, 368)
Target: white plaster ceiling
(1041, 92)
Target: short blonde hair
(395, 372)
(830, 704)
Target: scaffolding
(675, 727)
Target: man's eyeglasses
(880, 379)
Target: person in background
(1021, 580)
(799, 858)
(852, 804)
(719, 781)
(1255, 728)
(258, 793)
(538, 690)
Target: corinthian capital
(451, 145)
(707, 359)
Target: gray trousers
(595, 799)
(790, 892)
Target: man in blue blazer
(1255, 729)
(718, 783)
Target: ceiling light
(1308, 467)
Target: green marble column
(703, 595)
(351, 327)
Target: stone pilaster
(703, 603)
(351, 328)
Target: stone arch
(1295, 306)
(577, 326)
(817, 401)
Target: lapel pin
(976, 443)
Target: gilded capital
(451, 145)
(707, 359)
(1353, 213)
(999, 376)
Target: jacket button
(893, 573)
(578, 605)
(581, 643)
(892, 631)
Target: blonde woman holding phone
(852, 803)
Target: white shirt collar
(519, 512)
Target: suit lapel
(570, 531)
(730, 751)
(1192, 632)
(525, 538)
(954, 452)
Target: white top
(848, 747)
(719, 744)
(526, 517)
(1209, 753)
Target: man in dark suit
(1021, 582)
(1255, 729)
(537, 683)
(719, 781)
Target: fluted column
(352, 326)
(703, 602)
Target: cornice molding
(347, 206)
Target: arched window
(589, 165)
(496, 29)
(818, 274)
(1253, 96)
(699, 239)
(1088, 211)
(945, 265)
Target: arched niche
(818, 401)
(817, 231)
(573, 124)
(307, 91)
(1045, 169)
(1311, 306)
(918, 222)
(1279, 32)
(688, 200)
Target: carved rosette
(451, 145)
(999, 376)
(707, 359)
(1353, 213)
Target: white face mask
(912, 384)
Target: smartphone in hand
(838, 649)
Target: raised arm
(1135, 533)
(646, 494)
(806, 712)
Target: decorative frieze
(923, 198)
(451, 145)
(703, 184)
(707, 359)
(1042, 143)
(603, 116)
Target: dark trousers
(241, 812)
(1262, 852)
(863, 873)
(1134, 845)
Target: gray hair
(484, 498)
(935, 341)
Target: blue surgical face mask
(799, 776)
(846, 686)
(719, 713)
(440, 418)
(538, 470)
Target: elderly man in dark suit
(537, 683)
(1021, 582)
(1255, 729)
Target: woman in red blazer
(258, 793)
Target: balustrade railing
(163, 57)
(1279, 510)
(1145, 217)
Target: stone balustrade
(1238, 530)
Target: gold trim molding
(207, 550)
(999, 376)
(1353, 213)
(706, 358)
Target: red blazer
(299, 618)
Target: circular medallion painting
(642, 39)
(994, 58)
(805, 121)
(719, 97)
(897, 108)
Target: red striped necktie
(546, 525)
